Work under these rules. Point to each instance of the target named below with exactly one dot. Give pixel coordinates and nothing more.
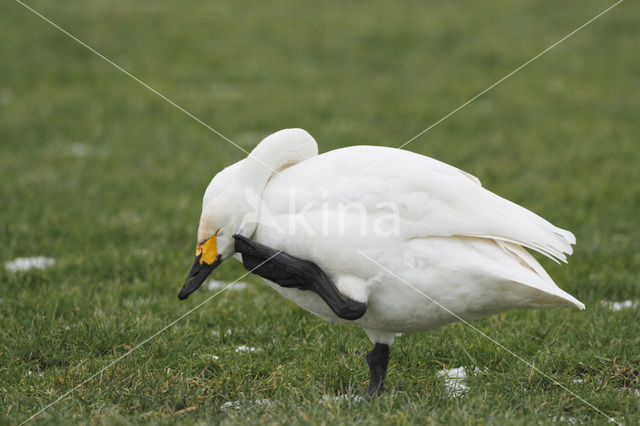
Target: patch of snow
(208, 356)
(81, 150)
(219, 285)
(455, 378)
(230, 404)
(618, 306)
(236, 404)
(454, 381)
(27, 263)
(354, 398)
(227, 332)
(574, 420)
(78, 149)
(566, 419)
(243, 348)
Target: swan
(362, 245)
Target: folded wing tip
(567, 236)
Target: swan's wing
(462, 207)
(429, 197)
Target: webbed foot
(292, 272)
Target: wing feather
(433, 198)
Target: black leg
(290, 271)
(378, 359)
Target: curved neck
(274, 154)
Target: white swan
(408, 232)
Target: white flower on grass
(27, 263)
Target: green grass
(560, 137)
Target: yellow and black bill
(207, 259)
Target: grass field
(106, 178)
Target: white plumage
(409, 221)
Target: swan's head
(232, 200)
(224, 212)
